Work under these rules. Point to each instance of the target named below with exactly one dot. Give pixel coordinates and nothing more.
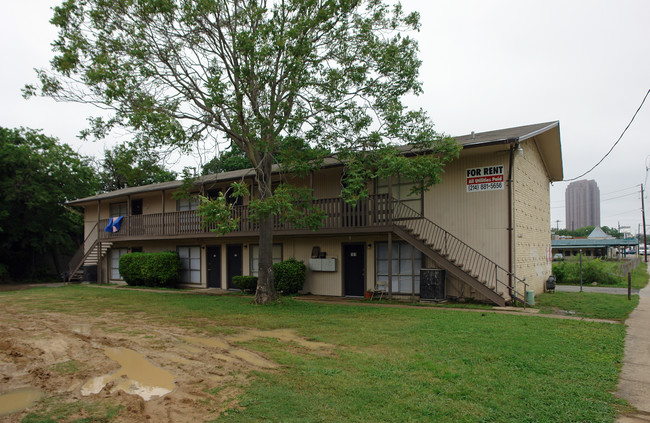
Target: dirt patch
(59, 355)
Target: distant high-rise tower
(582, 204)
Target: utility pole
(557, 223)
(645, 247)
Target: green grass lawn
(588, 304)
(388, 364)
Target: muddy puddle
(157, 373)
(136, 376)
(18, 400)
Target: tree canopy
(231, 159)
(128, 166)
(327, 73)
(37, 176)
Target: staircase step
(454, 260)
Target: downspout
(510, 196)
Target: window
(255, 257)
(401, 189)
(118, 209)
(407, 262)
(191, 260)
(186, 204)
(116, 253)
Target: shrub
(593, 270)
(289, 276)
(598, 271)
(151, 269)
(245, 283)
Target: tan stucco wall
(480, 219)
(327, 183)
(532, 220)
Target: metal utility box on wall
(432, 284)
(322, 264)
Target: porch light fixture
(520, 151)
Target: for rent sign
(486, 178)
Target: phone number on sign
(485, 187)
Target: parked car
(558, 257)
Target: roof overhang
(593, 243)
(546, 136)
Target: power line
(617, 141)
(620, 214)
(620, 196)
(618, 191)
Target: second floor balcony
(369, 215)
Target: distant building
(597, 244)
(582, 204)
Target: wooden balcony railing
(375, 211)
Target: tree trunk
(265, 292)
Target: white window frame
(118, 209)
(255, 257)
(401, 190)
(405, 257)
(187, 204)
(190, 256)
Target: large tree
(331, 73)
(37, 176)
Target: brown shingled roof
(500, 136)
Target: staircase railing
(458, 252)
(82, 253)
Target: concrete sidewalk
(634, 383)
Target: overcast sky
(486, 65)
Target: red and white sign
(486, 178)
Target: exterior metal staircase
(87, 256)
(458, 258)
